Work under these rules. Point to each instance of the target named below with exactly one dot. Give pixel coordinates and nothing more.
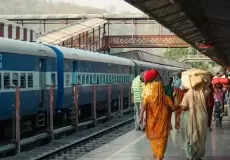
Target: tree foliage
(178, 53)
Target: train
(34, 67)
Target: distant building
(15, 31)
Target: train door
(42, 89)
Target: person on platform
(168, 89)
(219, 95)
(136, 91)
(177, 98)
(227, 98)
(217, 75)
(194, 121)
(210, 102)
(158, 108)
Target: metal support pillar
(79, 41)
(109, 100)
(103, 38)
(94, 105)
(76, 105)
(129, 105)
(135, 28)
(108, 28)
(93, 40)
(87, 38)
(99, 33)
(51, 108)
(71, 42)
(44, 25)
(121, 108)
(108, 49)
(17, 118)
(83, 39)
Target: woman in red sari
(178, 95)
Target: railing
(194, 58)
(94, 46)
(146, 41)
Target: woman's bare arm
(143, 109)
(171, 105)
(185, 108)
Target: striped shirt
(137, 89)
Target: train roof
(24, 47)
(147, 64)
(71, 53)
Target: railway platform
(134, 146)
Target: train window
(90, 79)
(86, 79)
(15, 79)
(101, 79)
(79, 80)
(6, 80)
(118, 78)
(0, 81)
(30, 80)
(104, 78)
(67, 80)
(94, 78)
(109, 78)
(53, 79)
(23, 80)
(83, 79)
(115, 78)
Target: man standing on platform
(136, 91)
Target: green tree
(178, 53)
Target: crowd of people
(194, 108)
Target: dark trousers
(210, 112)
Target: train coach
(35, 67)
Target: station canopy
(202, 23)
(55, 37)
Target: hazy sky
(120, 5)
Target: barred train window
(67, 79)
(53, 79)
(15, 79)
(30, 80)
(6, 80)
(23, 80)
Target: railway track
(71, 148)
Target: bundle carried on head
(195, 77)
(220, 80)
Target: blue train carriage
(140, 65)
(169, 70)
(29, 66)
(88, 70)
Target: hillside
(43, 7)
